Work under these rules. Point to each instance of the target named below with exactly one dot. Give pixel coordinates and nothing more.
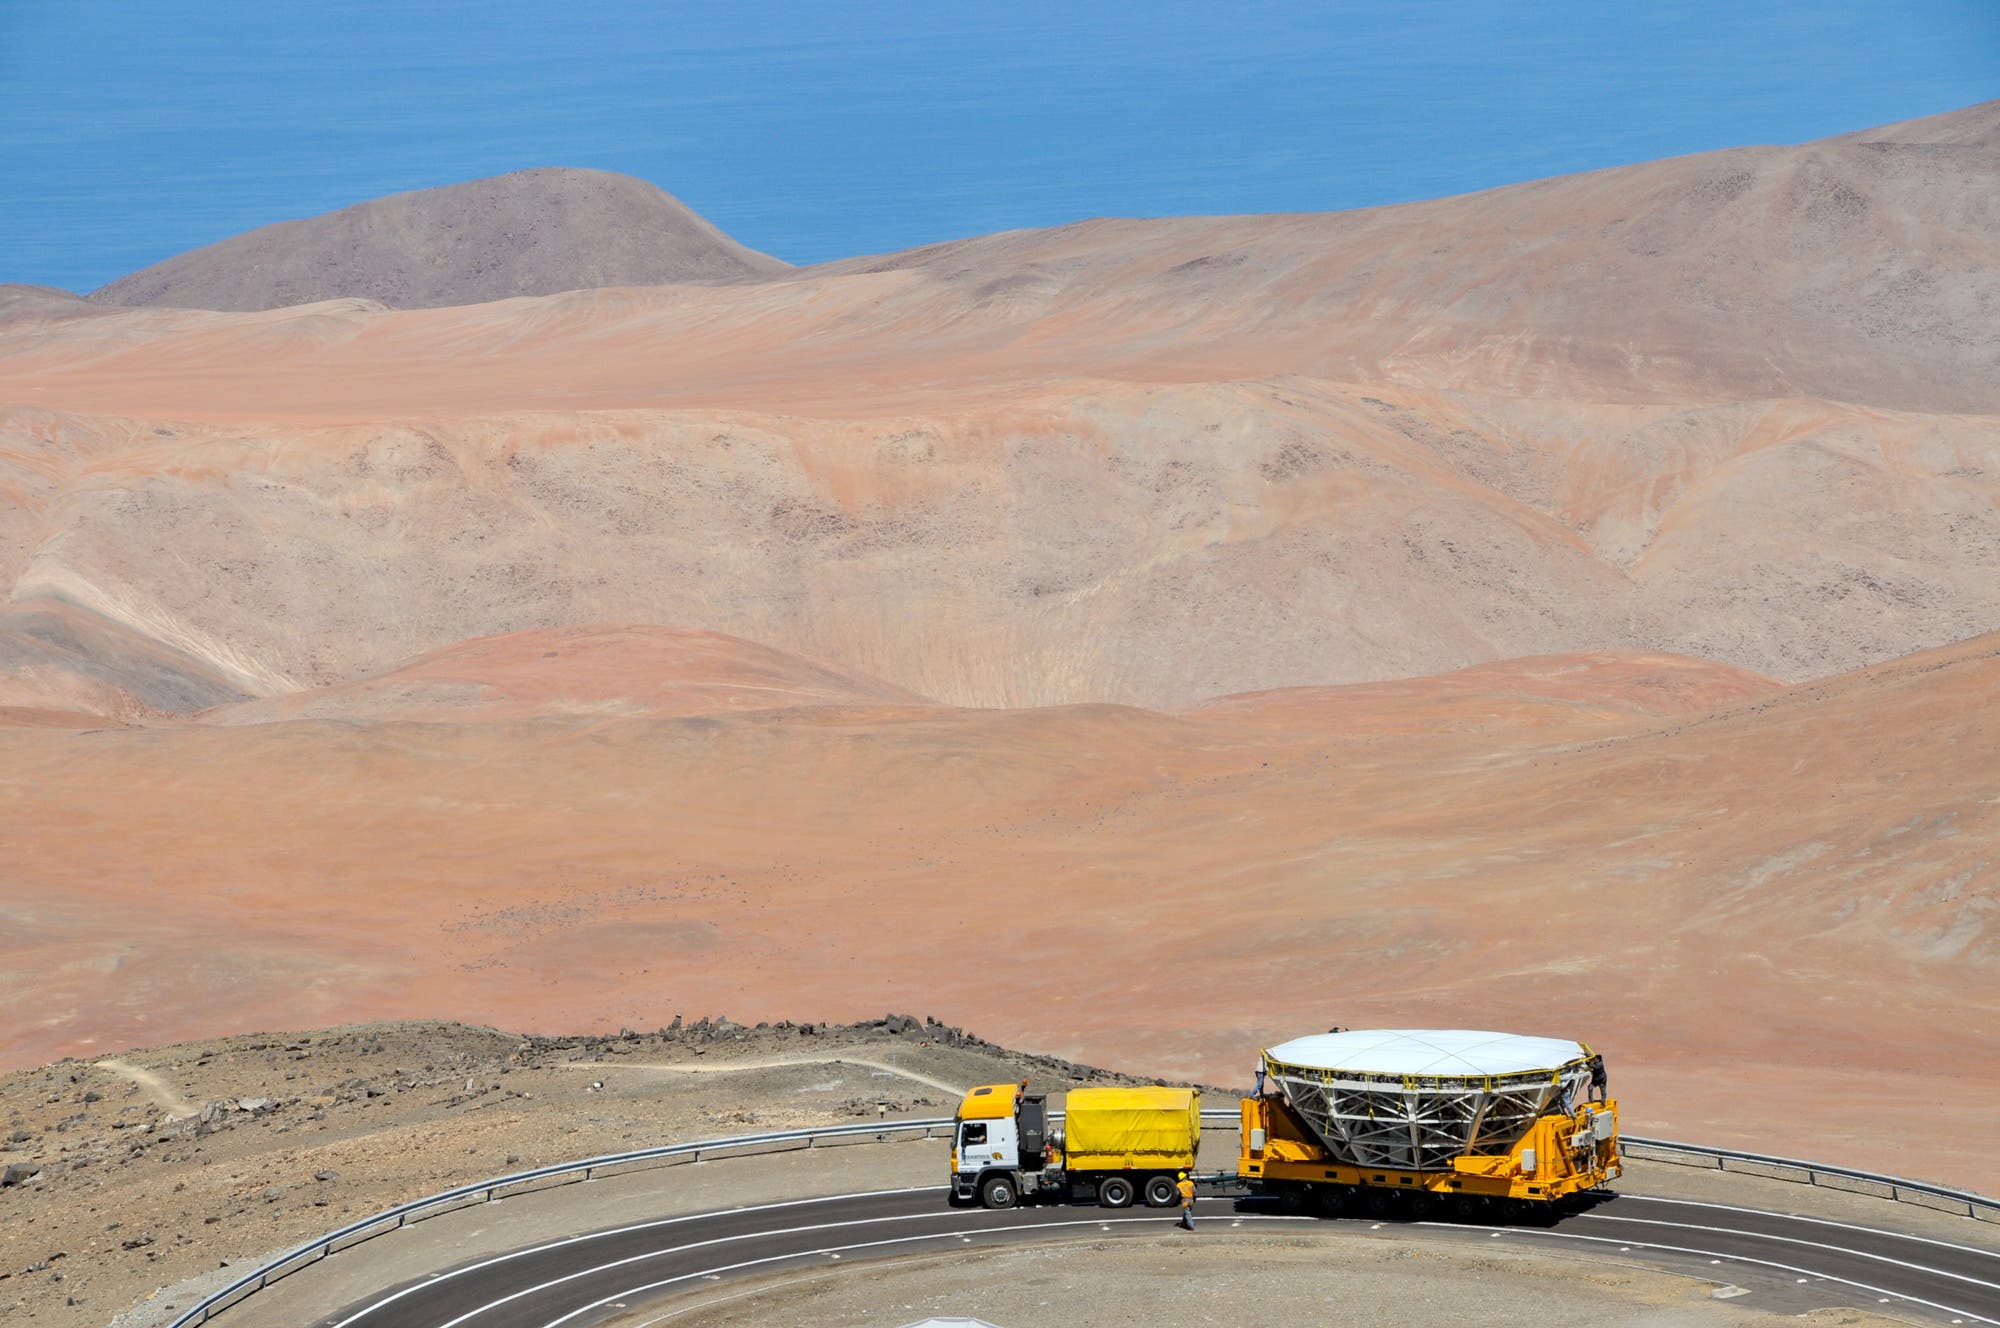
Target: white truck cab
(997, 1142)
(985, 1144)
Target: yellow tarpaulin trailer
(1131, 1129)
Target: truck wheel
(1114, 1192)
(1161, 1192)
(997, 1192)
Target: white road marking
(681, 1249)
(1763, 1263)
(1822, 1222)
(865, 1245)
(498, 1259)
(1795, 1240)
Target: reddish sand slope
(604, 670)
(1777, 915)
(1600, 687)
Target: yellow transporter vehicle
(1110, 1145)
(1418, 1117)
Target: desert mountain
(1779, 904)
(1862, 269)
(1737, 406)
(528, 233)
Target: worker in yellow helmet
(1187, 1202)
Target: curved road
(1795, 1261)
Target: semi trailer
(1460, 1119)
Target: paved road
(584, 1279)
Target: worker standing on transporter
(1187, 1202)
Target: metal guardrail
(524, 1182)
(1899, 1188)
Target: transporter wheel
(1466, 1207)
(1379, 1203)
(998, 1192)
(1331, 1200)
(1162, 1192)
(1114, 1192)
(1289, 1199)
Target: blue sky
(130, 131)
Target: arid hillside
(1141, 545)
(526, 233)
(1774, 908)
(1738, 406)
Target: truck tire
(1161, 1192)
(1114, 1192)
(998, 1192)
